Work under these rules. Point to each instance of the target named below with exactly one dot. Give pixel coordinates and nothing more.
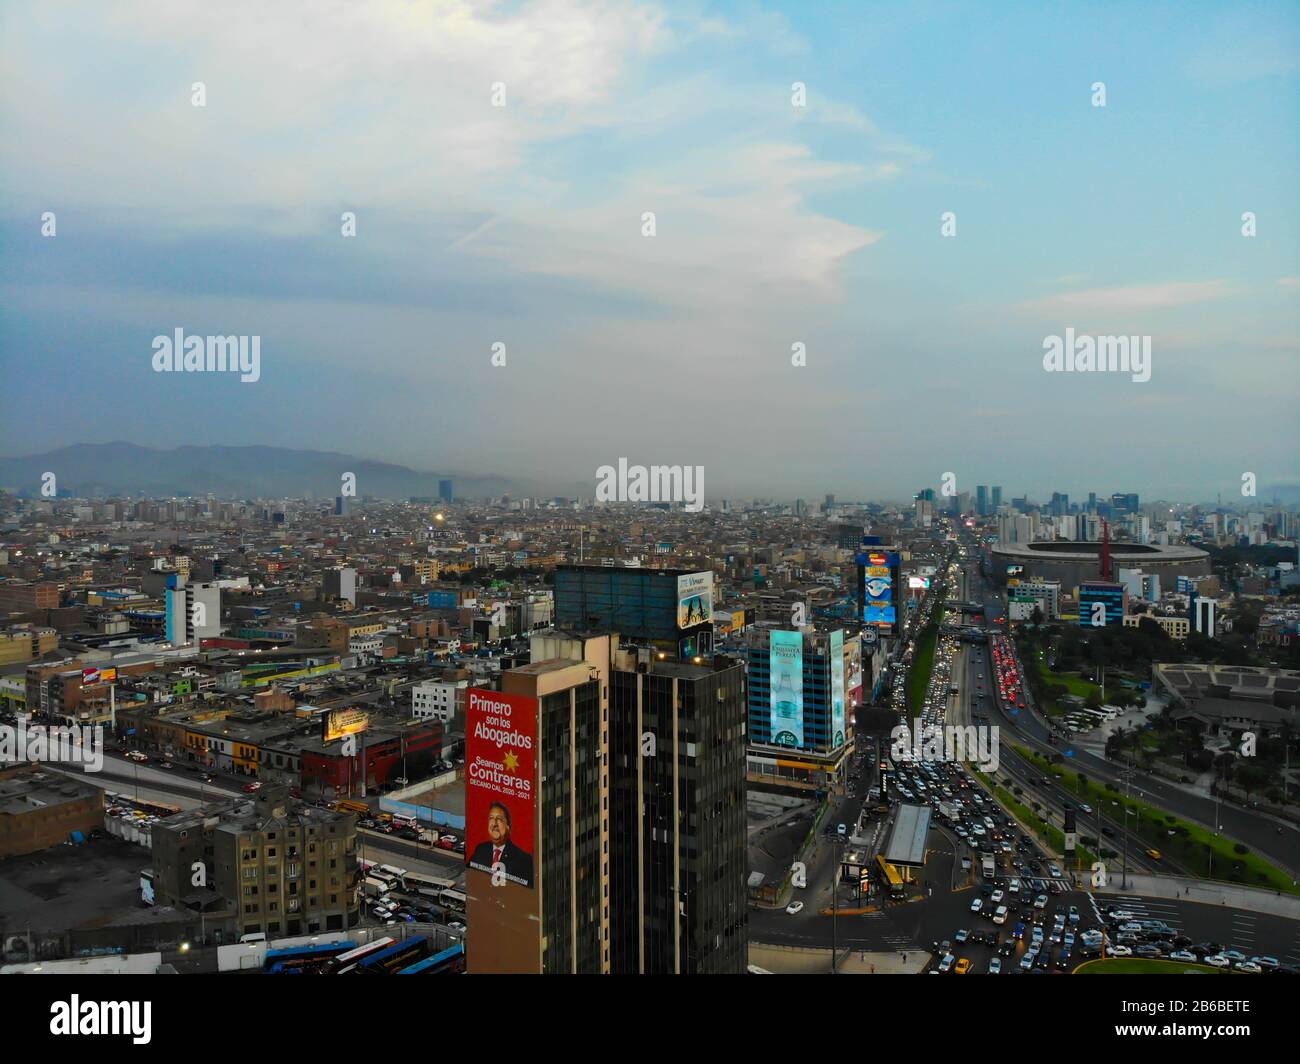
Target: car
(1014, 886)
(1119, 914)
(1155, 855)
(842, 830)
(1018, 931)
(997, 897)
(1000, 917)
(1234, 955)
(794, 908)
(995, 966)
(1218, 960)
(963, 966)
(251, 788)
(456, 925)
(1074, 914)
(946, 963)
(961, 936)
(977, 905)
(1180, 955)
(1027, 961)
(1147, 950)
(1249, 967)
(1040, 902)
(1265, 962)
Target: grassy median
(1202, 852)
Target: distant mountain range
(91, 470)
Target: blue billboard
(878, 590)
(785, 664)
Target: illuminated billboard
(837, 687)
(500, 786)
(878, 589)
(694, 599)
(918, 583)
(341, 722)
(785, 661)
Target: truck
(373, 888)
(988, 866)
(952, 810)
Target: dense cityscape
(635, 488)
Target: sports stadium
(1073, 563)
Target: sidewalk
(1208, 893)
(795, 960)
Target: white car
(1121, 951)
(1040, 902)
(1218, 961)
(1250, 967)
(997, 897)
(977, 905)
(794, 908)
(1000, 917)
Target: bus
(348, 805)
(346, 963)
(890, 877)
(392, 872)
(404, 821)
(430, 886)
(304, 960)
(394, 958)
(450, 961)
(453, 900)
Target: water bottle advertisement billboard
(785, 661)
(837, 687)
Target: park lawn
(1142, 966)
(1191, 847)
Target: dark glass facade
(570, 830)
(678, 862)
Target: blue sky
(774, 225)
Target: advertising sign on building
(785, 661)
(341, 722)
(694, 599)
(837, 687)
(500, 785)
(879, 590)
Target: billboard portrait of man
(500, 849)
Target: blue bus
(449, 962)
(297, 960)
(393, 958)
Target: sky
(777, 221)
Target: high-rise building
(982, 499)
(340, 583)
(802, 687)
(536, 810)
(341, 504)
(445, 493)
(1202, 615)
(1101, 602)
(677, 863)
(193, 612)
(996, 498)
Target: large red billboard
(500, 784)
